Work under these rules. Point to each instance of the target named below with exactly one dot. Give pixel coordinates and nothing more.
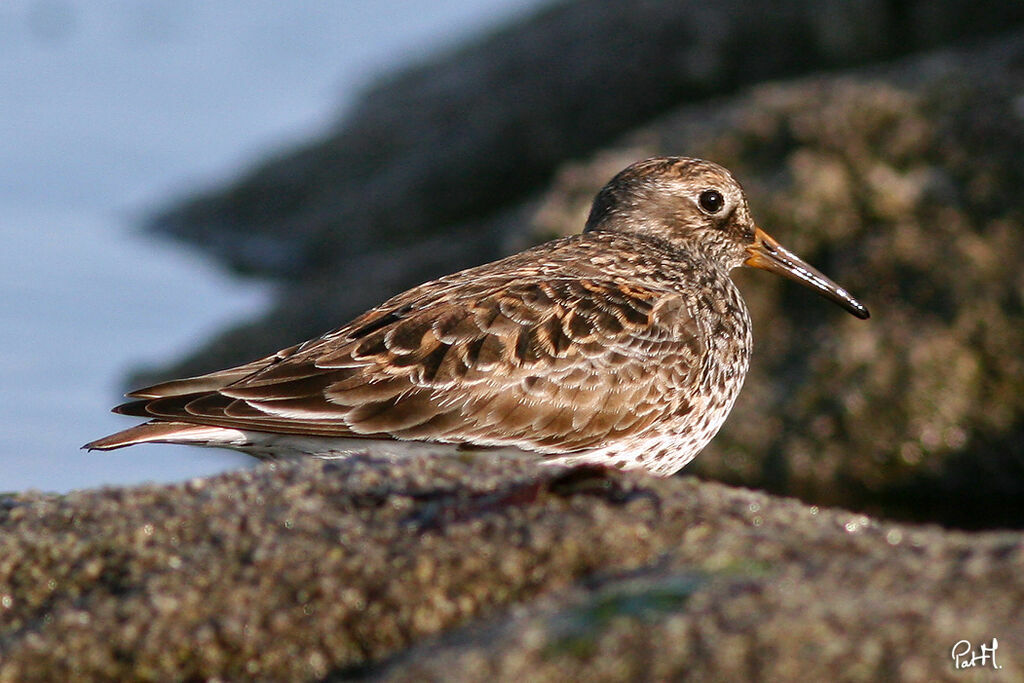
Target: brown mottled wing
(550, 365)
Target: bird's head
(699, 207)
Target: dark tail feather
(162, 432)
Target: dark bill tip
(767, 254)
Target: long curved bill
(766, 253)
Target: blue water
(111, 108)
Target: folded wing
(549, 365)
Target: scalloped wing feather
(550, 365)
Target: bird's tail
(160, 432)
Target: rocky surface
(902, 182)
(487, 570)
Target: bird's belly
(661, 452)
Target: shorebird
(624, 346)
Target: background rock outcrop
(457, 139)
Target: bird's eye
(711, 201)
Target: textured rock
(310, 570)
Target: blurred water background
(110, 109)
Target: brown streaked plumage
(625, 345)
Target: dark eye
(711, 201)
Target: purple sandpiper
(623, 346)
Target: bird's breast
(722, 317)
(722, 325)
